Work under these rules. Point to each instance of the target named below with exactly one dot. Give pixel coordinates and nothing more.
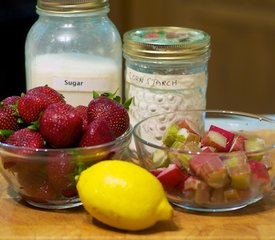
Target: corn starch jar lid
(166, 43)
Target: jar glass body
(159, 86)
(75, 53)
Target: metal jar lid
(71, 6)
(166, 43)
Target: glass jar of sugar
(74, 48)
(166, 70)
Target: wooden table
(20, 221)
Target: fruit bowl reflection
(46, 178)
(209, 172)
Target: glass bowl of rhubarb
(46, 177)
(209, 160)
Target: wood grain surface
(21, 221)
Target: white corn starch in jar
(166, 70)
(155, 93)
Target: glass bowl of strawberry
(46, 143)
(209, 160)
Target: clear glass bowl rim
(228, 112)
(120, 139)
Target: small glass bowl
(206, 189)
(46, 178)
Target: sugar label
(81, 85)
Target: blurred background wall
(16, 17)
(242, 63)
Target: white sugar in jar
(166, 70)
(75, 75)
(75, 48)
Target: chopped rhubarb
(218, 138)
(218, 167)
(180, 158)
(217, 195)
(189, 125)
(170, 135)
(156, 171)
(240, 176)
(202, 194)
(172, 176)
(259, 172)
(254, 146)
(210, 168)
(160, 158)
(191, 183)
(235, 160)
(238, 144)
(196, 162)
(231, 194)
(238, 171)
(208, 149)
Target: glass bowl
(222, 167)
(46, 178)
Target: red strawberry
(60, 171)
(32, 179)
(33, 183)
(35, 101)
(9, 101)
(30, 106)
(8, 120)
(38, 193)
(26, 137)
(97, 132)
(23, 138)
(83, 113)
(51, 93)
(114, 113)
(60, 125)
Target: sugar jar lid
(166, 43)
(71, 6)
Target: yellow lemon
(123, 195)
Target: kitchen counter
(21, 221)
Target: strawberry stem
(127, 103)
(95, 94)
(5, 133)
(34, 125)
(114, 97)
